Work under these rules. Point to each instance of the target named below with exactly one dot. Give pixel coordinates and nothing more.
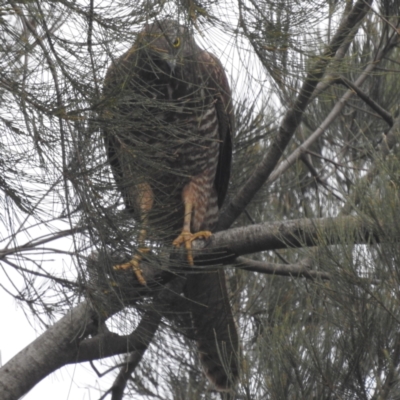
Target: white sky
(68, 383)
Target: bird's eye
(176, 42)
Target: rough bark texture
(56, 347)
(66, 341)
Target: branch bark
(224, 247)
(110, 344)
(66, 341)
(385, 115)
(56, 347)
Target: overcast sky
(69, 382)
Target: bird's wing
(218, 82)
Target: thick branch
(56, 347)
(292, 119)
(110, 344)
(224, 247)
(65, 342)
(119, 385)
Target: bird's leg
(145, 202)
(186, 237)
(137, 258)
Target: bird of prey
(168, 127)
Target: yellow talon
(187, 238)
(135, 265)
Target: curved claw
(135, 265)
(187, 238)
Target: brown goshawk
(168, 135)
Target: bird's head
(169, 42)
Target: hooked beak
(172, 64)
(170, 60)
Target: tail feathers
(215, 328)
(220, 363)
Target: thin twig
(295, 270)
(292, 158)
(386, 116)
(291, 120)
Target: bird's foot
(187, 238)
(135, 265)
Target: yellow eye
(176, 42)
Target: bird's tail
(215, 327)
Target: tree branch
(386, 116)
(300, 270)
(336, 110)
(224, 247)
(110, 344)
(292, 119)
(56, 347)
(296, 270)
(65, 342)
